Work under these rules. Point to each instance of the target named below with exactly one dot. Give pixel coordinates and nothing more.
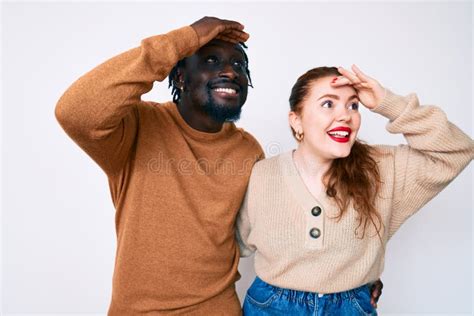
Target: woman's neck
(311, 168)
(311, 163)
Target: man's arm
(99, 111)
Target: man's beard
(221, 113)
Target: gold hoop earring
(299, 136)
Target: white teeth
(339, 134)
(226, 90)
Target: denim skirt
(265, 299)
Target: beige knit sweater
(276, 217)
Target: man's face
(215, 80)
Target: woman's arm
(436, 153)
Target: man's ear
(178, 78)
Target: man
(177, 171)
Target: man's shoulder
(163, 108)
(251, 141)
(158, 115)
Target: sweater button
(316, 211)
(315, 233)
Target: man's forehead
(220, 45)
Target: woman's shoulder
(271, 166)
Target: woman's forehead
(323, 86)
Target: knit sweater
(279, 212)
(176, 190)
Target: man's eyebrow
(336, 97)
(236, 48)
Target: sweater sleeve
(436, 153)
(243, 229)
(243, 226)
(100, 110)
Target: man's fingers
(209, 28)
(376, 290)
(229, 24)
(227, 38)
(238, 35)
(378, 285)
(374, 296)
(373, 303)
(233, 37)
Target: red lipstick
(340, 134)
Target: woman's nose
(343, 115)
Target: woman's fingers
(340, 81)
(358, 79)
(361, 85)
(349, 75)
(362, 76)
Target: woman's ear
(295, 122)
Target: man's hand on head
(209, 28)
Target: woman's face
(329, 118)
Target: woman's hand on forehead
(369, 90)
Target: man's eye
(211, 60)
(239, 63)
(327, 104)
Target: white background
(58, 238)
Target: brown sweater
(176, 190)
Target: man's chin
(223, 112)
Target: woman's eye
(354, 106)
(327, 104)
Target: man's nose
(228, 71)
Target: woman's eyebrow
(336, 97)
(332, 96)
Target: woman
(318, 217)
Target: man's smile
(226, 89)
